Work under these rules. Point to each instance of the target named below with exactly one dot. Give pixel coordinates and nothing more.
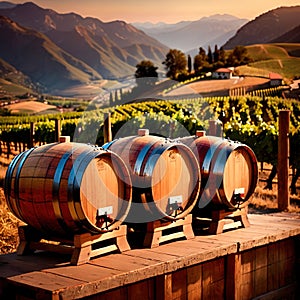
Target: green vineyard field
(252, 120)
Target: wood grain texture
(58, 189)
(161, 170)
(267, 246)
(227, 167)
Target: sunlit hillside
(283, 59)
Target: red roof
(275, 76)
(224, 70)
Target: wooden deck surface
(51, 275)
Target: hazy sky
(169, 11)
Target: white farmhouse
(275, 79)
(222, 73)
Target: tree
(216, 54)
(146, 74)
(200, 60)
(238, 56)
(209, 55)
(202, 53)
(176, 63)
(189, 64)
(198, 63)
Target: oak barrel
(165, 177)
(229, 170)
(65, 188)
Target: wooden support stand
(160, 231)
(82, 248)
(222, 220)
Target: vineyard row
(249, 119)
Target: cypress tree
(189, 64)
(222, 57)
(216, 54)
(209, 55)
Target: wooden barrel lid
(240, 176)
(174, 182)
(104, 192)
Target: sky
(168, 11)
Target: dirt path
(214, 87)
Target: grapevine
(248, 119)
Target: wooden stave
(74, 224)
(139, 169)
(201, 146)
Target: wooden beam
(283, 160)
(164, 286)
(233, 276)
(107, 134)
(57, 130)
(215, 128)
(31, 139)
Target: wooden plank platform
(244, 263)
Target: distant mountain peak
(189, 35)
(221, 17)
(5, 5)
(30, 6)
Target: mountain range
(59, 50)
(49, 51)
(188, 36)
(36, 55)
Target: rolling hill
(31, 108)
(9, 73)
(281, 58)
(13, 81)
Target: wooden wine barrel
(66, 188)
(229, 171)
(165, 177)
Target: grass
(261, 52)
(292, 49)
(265, 200)
(253, 71)
(283, 59)
(29, 107)
(8, 227)
(287, 67)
